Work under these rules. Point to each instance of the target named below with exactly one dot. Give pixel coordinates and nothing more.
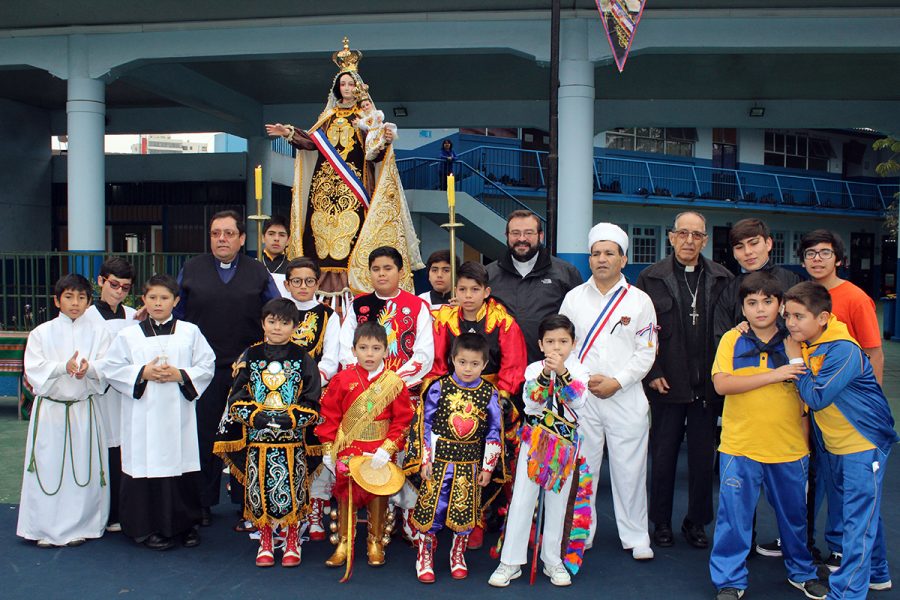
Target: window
(724, 154)
(674, 141)
(797, 151)
(644, 244)
(776, 257)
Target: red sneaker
(316, 520)
(425, 557)
(265, 557)
(458, 568)
(291, 556)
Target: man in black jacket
(222, 293)
(528, 280)
(684, 288)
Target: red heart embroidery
(464, 426)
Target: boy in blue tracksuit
(853, 427)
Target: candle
(258, 173)
(451, 191)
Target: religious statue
(346, 201)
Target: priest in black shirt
(223, 294)
(684, 288)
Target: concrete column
(259, 151)
(86, 114)
(576, 144)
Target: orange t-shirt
(856, 310)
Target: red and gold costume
(361, 415)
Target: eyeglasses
(683, 234)
(824, 253)
(116, 285)
(228, 233)
(300, 281)
(528, 233)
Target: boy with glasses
(318, 332)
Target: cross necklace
(693, 314)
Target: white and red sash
(340, 166)
(602, 320)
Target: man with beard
(528, 280)
(222, 293)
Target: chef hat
(608, 232)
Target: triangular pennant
(620, 20)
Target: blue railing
(524, 172)
(419, 173)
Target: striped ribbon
(340, 166)
(602, 319)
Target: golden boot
(375, 542)
(339, 556)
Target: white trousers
(624, 428)
(521, 509)
(322, 484)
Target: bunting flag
(620, 20)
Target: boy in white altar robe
(160, 367)
(65, 498)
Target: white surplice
(159, 429)
(111, 400)
(65, 453)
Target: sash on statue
(340, 166)
(365, 408)
(602, 320)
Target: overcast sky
(121, 144)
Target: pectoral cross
(694, 314)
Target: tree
(885, 169)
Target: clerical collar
(161, 323)
(226, 265)
(688, 268)
(524, 267)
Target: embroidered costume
(275, 396)
(361, 413)
(459, 429)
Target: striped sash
(602, 320)
(340, 166)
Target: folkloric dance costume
(362, 412)
(275, 396)
(319, 334)
(459, 429)
(507, 359)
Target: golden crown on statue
(347, 59)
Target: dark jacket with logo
(660, 283)
(534, 297)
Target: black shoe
(694, 534)
(205, 516)
(158, 542)
(191, 538)
(662, 535)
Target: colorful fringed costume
(275, 396)
(507, 359)
(567, 496)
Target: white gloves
(328, 462)
(380, 458)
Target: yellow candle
(258, 172)
(451, 191)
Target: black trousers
(669, 422)
(114, 476)
(167, 506)
(210, 407)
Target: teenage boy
(438, 266)
(160, 368)
(276, 233)
(274, 398)
(365, 410)
(764, 443)
(318, 332)
(751, 244)
(459, 430)
(477, 312)
(822, 252)
(65, 498)
(854, 430)
(116, 280)
(560, 368)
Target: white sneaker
(503, 574)
(642, 553)
(880, 586)
(114, 527)
(558, 575)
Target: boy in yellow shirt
(763, 442)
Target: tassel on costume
(581, 519)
